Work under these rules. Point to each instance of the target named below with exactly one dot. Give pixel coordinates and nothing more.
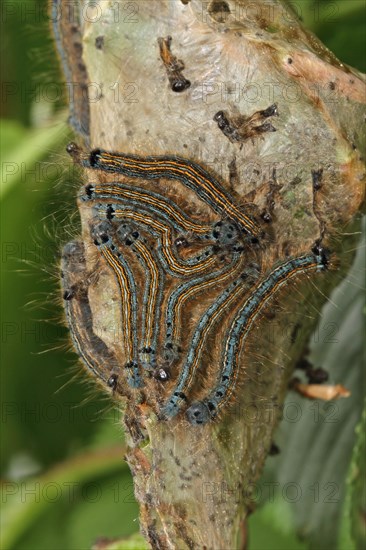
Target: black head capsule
(101, 232)
(147, 350)
(110, 212)
(325, 256)
(162, 374)
(112, 382)
(74, 151)
(254, 240)
(181, 242)
(266, 217)
(68, 294)
(94, 158)
(316, 248)
(198, 414)
(221, 119)
(321, 254)
(180, 84)
(89, 190)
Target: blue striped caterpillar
(101, 234)
(161, 206)
(66, 26)
(91, 349)
(152, 297)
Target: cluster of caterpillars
(190, 289)
(190, 284)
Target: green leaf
(353, 532)
(271, 528)
(48, 414)
(23, 148)
(90, 492)
(340, 25)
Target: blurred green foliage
(64, 480)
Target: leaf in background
(353, 526)
(340, 25)
(22, 148)
(271, 527)
(46, 413)
(91, 493)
